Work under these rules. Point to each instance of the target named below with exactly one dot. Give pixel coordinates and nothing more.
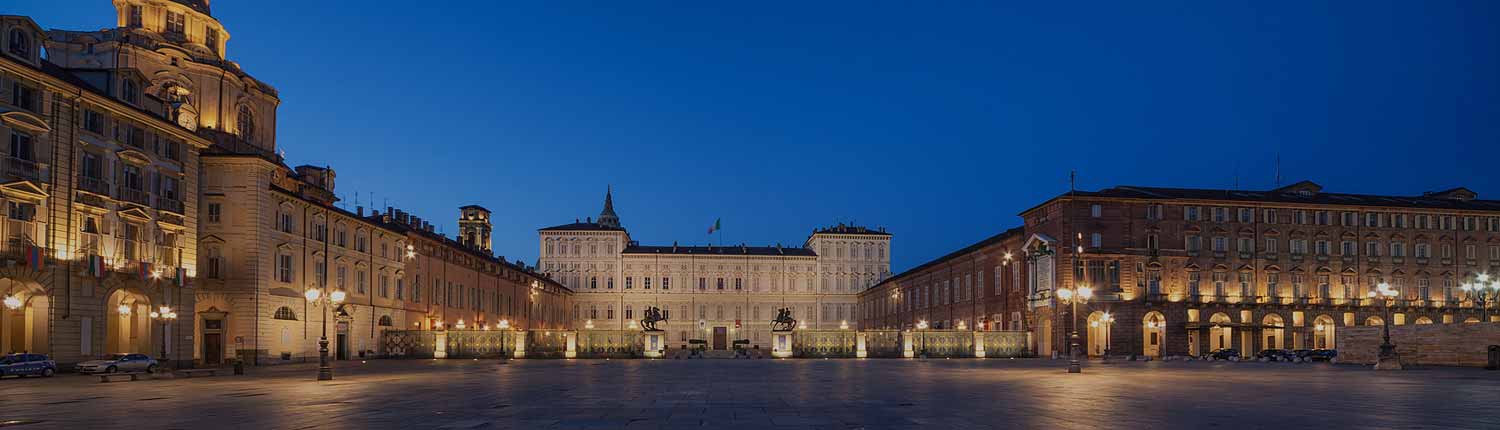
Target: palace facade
(717, 294)
(100, 194)
(1178, 271)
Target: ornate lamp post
(165, 316)
(1069, 296)
(317, 298)
(1388, 360)
(1105, 323)
(1483, 292)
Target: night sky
(939, 124)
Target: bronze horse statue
(651, 316)
(784, 320)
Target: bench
(195, 372)
(110, 377)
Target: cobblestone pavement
(723, 394)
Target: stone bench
(111, 377)
(188, 373)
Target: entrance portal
(721, 338)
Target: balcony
(19, 235)
(134, 196)
(169, 205)
(23, 169)
(93, 185)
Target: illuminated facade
(1177, 271)
(718, 294)
(100, 190)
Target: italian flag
(715, 227)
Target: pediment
(1272, 232)
(1247, 232)
(1349, 235)
(24, 189)
(24, 120)
(133, 156)
(1246, 268)
(135, 213)
(1221, 268)
(1273, 268)
(210, 239)
(1323, 270)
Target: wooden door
(721, 338)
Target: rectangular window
(629, 282)
(1191, 213)
(1300, 217)
(215, 213)
(1154, 212)
(1271, 247)
(22, 96)
(1269, 215)
(176, 23)
(93, 121)
(134, 19)
(284, 268)
(21, 146)
(1194, 243)
(1096, 240)
(666, 283)
(211, 38)
(1221, 244)
(1247, 215)
(719, 283)
(1221, 214)
(645, 282)
(1096, 210)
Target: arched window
(385, 321)
(285, 313)
(20, 44)
(246, 123)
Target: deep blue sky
(938, 123)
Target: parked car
(27, 364)
(1275, 354)
(1223, 353)
(1318, 354)
(119, 363)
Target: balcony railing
(134, 196)
(19, 235)
(93, 185)
(22, 168)
(169, 205)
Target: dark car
(27, 364)
(1275, 354)
(1318, 354)
(1223, 353)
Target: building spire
(607, 217)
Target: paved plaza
(793, 394)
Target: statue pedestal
(781, 343)
(655, 343)
(572, 351)
(859, 345)
(520, 338)
(440, 344)
(978, 344)
(906, 348)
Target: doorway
(213, 349)
(341, 348)
(721, 338)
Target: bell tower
(474, 227)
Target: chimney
(360, 211)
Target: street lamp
(316, 297)
(1387, 358)
(12, 302)
(165, 316)
(1106, 322)
(1483, 292)
(1074, 298)
(922, 325)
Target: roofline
(1008, 233)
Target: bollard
(1494, 358)
(239, 366)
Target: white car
(119, 363)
